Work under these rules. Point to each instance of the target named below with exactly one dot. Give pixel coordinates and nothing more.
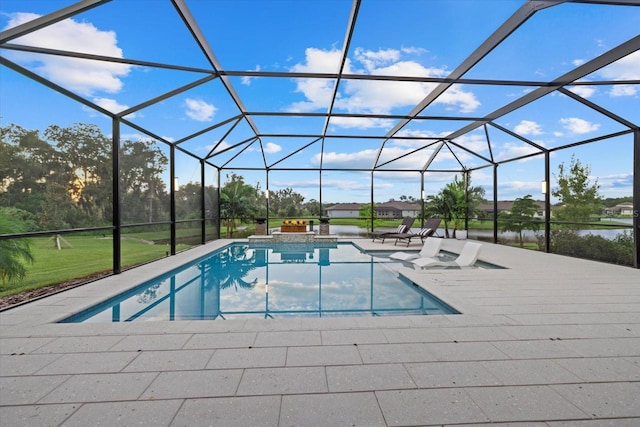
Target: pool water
(245, 280)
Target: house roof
(505, 205)
(344, 207)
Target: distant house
(505, 206)
(386, 210)
(394, 209)
(343, 210)
(625, 208)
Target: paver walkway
(550, 341)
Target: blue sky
(405, 38)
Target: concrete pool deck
(549, 341)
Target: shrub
(615, 251)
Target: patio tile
(288, 338)
(530, 403)
(532, 332)
(25, 364)
(85, 363)
(79, 344)
(170, 360)
(151, 342)
(606, 347)
(481, 333)
(27, 390)
(22, 345)
(323, 355)
(603, 399)
(549, 349)
(100, 388)
(368, 377)
(36, 415)
(261, 357)
(451, 374)
(152, 413)
(344, 409)
(362, 336)
(283, 381)
(617, 422)
(251, 411)
(221, 340)
(417, 335)
(530, 372)
(396, 353)
(193, 384)
(466, 351)
(428, 407)
(602, 369)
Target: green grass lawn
(86, 256)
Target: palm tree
(14, 253)
(237, 202)
(453, 204)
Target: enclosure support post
(547, 203)
(115, 155)
(465, 178)
(422, 197)
(495, 203)
(172, 197)
(203, 216)
(267, 197)
(636, 198)
(219, 211)
(373, 208)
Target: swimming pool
(245, 280)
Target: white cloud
(627, 68)
(372, 97)
(511, 150)
(357, 160)
(112, 105)
(528, 127)
(578, 126)
(583, 91)
(623, 90)
(271, 148)
(82, 76)
(223, 146)
(246, 80)
(199, 110)
(361, 123)
(474, 142)
(578, 62)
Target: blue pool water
(282, 280)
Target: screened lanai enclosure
(132, 130)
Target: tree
(85, 154)
(237, 202)
(286, 203)
(366, 213)
(578, 197)
(521, 217)
(14, 253)
(453, 204)
(144, 193)
(313, 208)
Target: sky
(401, 38)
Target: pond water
(606, 232)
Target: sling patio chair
(407, 222)
(467, 257)
(430, 228)
(430, 249)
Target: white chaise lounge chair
(468, 256)
(430, 249)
